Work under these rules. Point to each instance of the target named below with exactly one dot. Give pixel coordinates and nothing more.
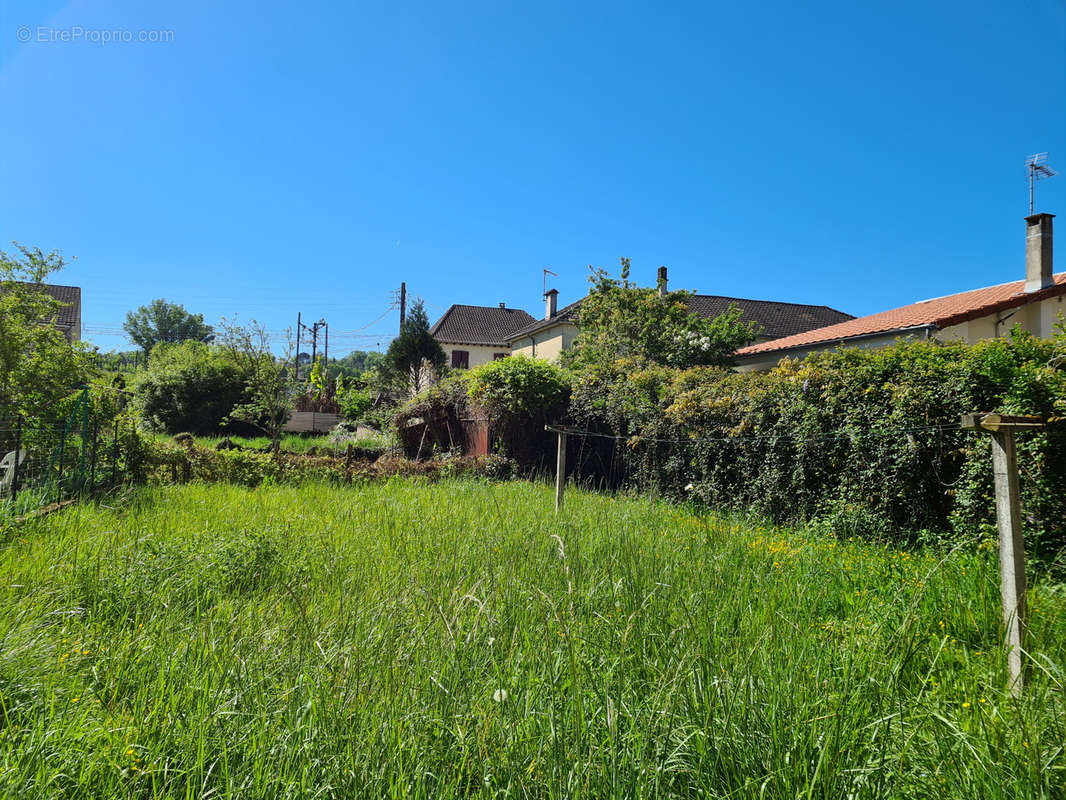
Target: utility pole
(313, 329)
(403, 304)
(1012, 586)
(299, 324)
(326, 356)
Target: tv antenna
(548, 272)
(1037, 169)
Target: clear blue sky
(276, 157)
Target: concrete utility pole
(1012, 586)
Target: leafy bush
(189, 386)
(520, 395)
(353, 398)
(514, 396)
(868, 440)
(621, 320)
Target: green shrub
(520, 390)
(353, 398)
(516, 397)
(868, 441)
(189, 386)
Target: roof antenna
(547, 272)
(1037, 168)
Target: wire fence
(73, 447)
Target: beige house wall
(1037, 318)
(479, 353)
(547, 344)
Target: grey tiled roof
(775, 319)
(485, 325)
(70, 296)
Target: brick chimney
(660, 281)
(551, 303)
(1038, 262)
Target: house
(1035, 303)
(548, 337)
(475, 335)
(68, 319)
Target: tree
(414, 358)
(37, 363)
(161, 321)
(621, 320)
(189, 386)
(355, 363)
(270, 388)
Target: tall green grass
(413, 640)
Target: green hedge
(179, 462)
(866, 441)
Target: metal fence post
(18, 459)
(92, 469)
(62, 458)
(114, 457)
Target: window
(460, 359)
(498, 356)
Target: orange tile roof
(939, 312)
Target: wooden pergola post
(1012, 585)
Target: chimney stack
(1039, 268)
(660, 281)
(551, 303)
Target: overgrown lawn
(404, 639)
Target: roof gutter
(928, 329)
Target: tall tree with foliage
(414, 359)
(270, 387)
(161, 321)
(619, 319)
(38, 364)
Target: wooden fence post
(1012, 584)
